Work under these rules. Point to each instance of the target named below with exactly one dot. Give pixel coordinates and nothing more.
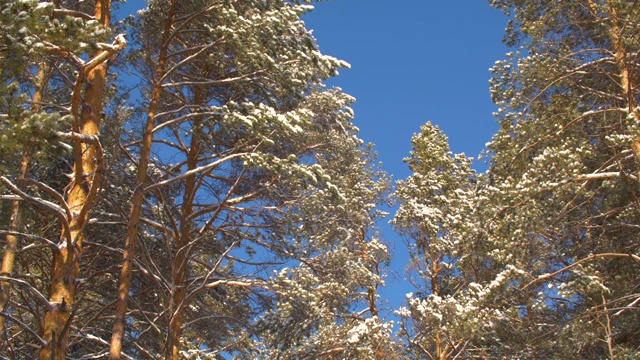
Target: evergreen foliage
(193, 190)
(219, 196)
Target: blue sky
(413, 61)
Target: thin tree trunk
(176, 307)
(627, 83)
(435, 290)
(15, 220)
(87, 170)
(124, 287)
(371, 289)
(12, 243)
(183, 252)
(14, 225)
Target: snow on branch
(587, 259)
(73, 13)
(56, 195)
(108, 51)
(88, 139)
(41, 203)
(591, 177)
(203, 168)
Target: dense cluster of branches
(215, 201)
(540, 256)
(181, 185)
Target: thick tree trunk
(65, 264)
(620, 52)
(124, 287)
(79, 198)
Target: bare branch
(211, 82)
(184, 61)
(37, 294)
(628, 306)
(73, 13)
(24, 326)
(185, 117)
(31, 237)
(51, 192)
(102, 342)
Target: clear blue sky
(413, 61)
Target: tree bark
(183, 252)
(87, 168)
(15, 220)
(627, 81)
(124, 287)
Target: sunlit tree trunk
(138, 197)
(435, 290)
(12, 243)
(86, 175)
(372, 289)
(627, 83)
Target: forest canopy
(182, 183)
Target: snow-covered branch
(203, 168)
(43, 204)
(581, 261)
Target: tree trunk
(435, 290)
(176, 308)
(183, 252)
(14, 225)
(86, 171)
(371, 289)
(627, 83)
(12, 243)
(124, 287)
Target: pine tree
(452, 311)
(563, 184)
(327, 304)
(39, 37)
(236, 119)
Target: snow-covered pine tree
(327, 303)
(244, 139)
(62, 50)
(240, 128)
(452, 311)
(562, 196)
